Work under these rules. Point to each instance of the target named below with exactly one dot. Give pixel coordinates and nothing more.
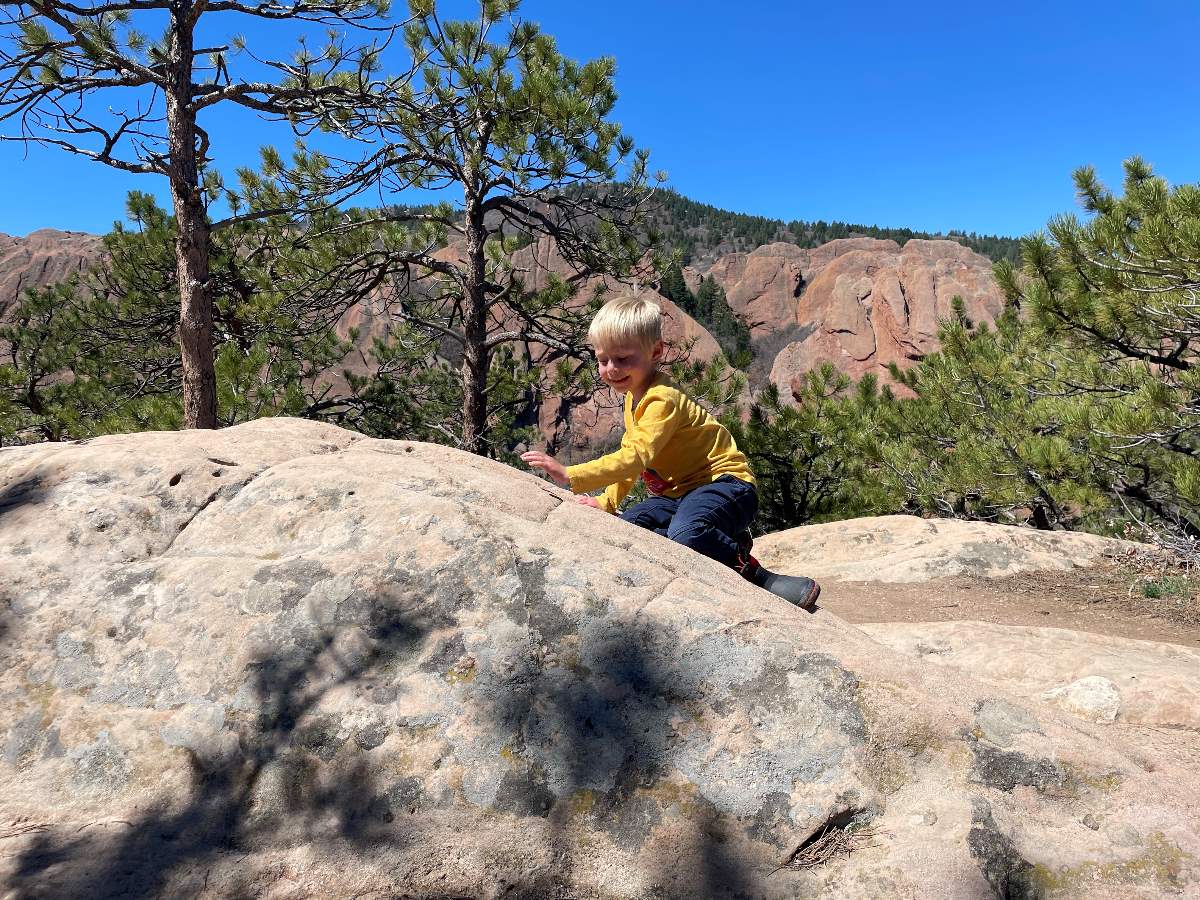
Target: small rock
(1091, 822)
(930, 817)
(1092, 698)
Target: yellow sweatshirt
(672, 437)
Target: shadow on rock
(592, 752)
(21, 492)
(279, 786)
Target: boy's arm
(640, 444)
(614, 494)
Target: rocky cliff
(859, 303)
(42, 258)
(285, 660)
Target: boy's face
(628, 367)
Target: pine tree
(805, 454)
(523, 134)
(987, 435)
(60, 63)
(674, 288)
(1124, 289)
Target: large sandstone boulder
(900, 549)
(1097, 677)
(866, 308)
(282, 660)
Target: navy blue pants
(708, 518)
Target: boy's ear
(659, 350)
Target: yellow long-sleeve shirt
(670, 435)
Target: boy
(702, 490)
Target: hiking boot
(795, 589)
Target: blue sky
(934, 116)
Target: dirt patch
(1106, 599)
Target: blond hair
(626, 321)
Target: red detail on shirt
(654, 484)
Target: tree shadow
(263, 793)
(597, 740)
(593, 751)
(22, 492)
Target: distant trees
(697, 229)
(709, 306)
(91, 81)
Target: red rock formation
(42, 258)
(867, 308)
(859, 303)
(764, 286)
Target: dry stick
(833, 842)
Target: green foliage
(1170, 586)
(709, 306)
(55, 380)
(989, 434)
(808, 455)
(1122, 289)
(99, 354)
(714, 384)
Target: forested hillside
(702, 232)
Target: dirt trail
(1102, 600)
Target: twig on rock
(20, 827)
(833, 842)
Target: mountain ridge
(703, 232)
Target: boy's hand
(588, 501)
(547, 464)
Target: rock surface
(283, 660)
(1094, 676)
(899, 549)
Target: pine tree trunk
(475, 362)
(192, 240)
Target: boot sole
(809, 604)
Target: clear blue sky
(931, 115)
